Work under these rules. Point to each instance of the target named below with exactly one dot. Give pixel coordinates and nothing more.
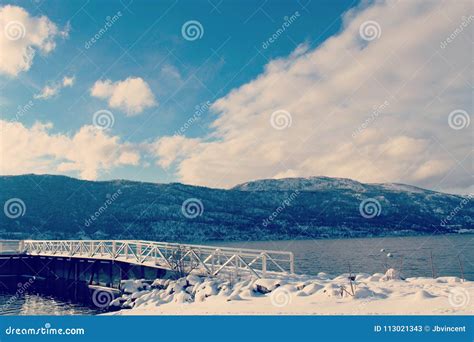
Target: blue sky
(146, 43)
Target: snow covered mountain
(294, 208)
(322, 183)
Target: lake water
(35, 304)
(365, 256)
(311, 257)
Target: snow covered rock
(160, 284)
(422, 295)
(131, 286)
(266, 285)
(194, 279)
(312, 288)
(234, 297)
(324, 276)
(206, 289)
(182, 298)
(330, 290)
(392, 274)
(376, 277)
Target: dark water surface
(365, 255)
(36, 304)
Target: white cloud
(132, 95)
(88, 152)
(337, 89)
(173, 148)
(53, 89)
(68, 81)
(22, 36)
(47, 92)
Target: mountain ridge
(292, 208)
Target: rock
(182, 297)
(206, 289)
(234, 297)
(392, 274)
(138, 294)
(376, 277)
(448, 280)
(312, 288)
(266, 285)
(117, 302)
(363, 293)
(194, 279)
(160, 284)
(323, 276)
(331, 290)
(422, 295)
(131, 286)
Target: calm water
(365, 256)
(33, 304)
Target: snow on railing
(209, 260)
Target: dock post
(264, 264)
(111, 274)
(292, 263)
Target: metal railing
(10, 246)
(208, 260)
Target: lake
(365, 255)
(36, 304)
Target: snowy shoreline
(365, 294)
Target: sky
(216, 93)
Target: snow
(132, 286)
(388, 294)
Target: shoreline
(365, 294)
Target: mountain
(294, 208)
(323, 184)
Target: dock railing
(11, 246)
(206, 260)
